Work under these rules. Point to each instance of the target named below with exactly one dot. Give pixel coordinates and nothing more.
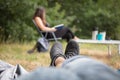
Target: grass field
(17, 54)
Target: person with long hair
(40, 20)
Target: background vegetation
(81, 15)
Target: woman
(40, 21)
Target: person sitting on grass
(72, 66)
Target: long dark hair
(40, 13)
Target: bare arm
(42, 27)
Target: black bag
(43, 45)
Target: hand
(53, 29)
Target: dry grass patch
(100, 53)
(17, 54)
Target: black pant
(64, 33)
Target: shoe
(30, 51)
(72, 49)
(56, 51)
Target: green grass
(17, 54)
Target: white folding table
(108, 42)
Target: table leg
(118, 48)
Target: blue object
(59, 27)
(99, 37)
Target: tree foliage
(82, 15)
(15, 19)
(93, 13)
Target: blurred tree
(16, 19)
(82, 15)
(92, 13)
(57, 16)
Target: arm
(42, 26)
